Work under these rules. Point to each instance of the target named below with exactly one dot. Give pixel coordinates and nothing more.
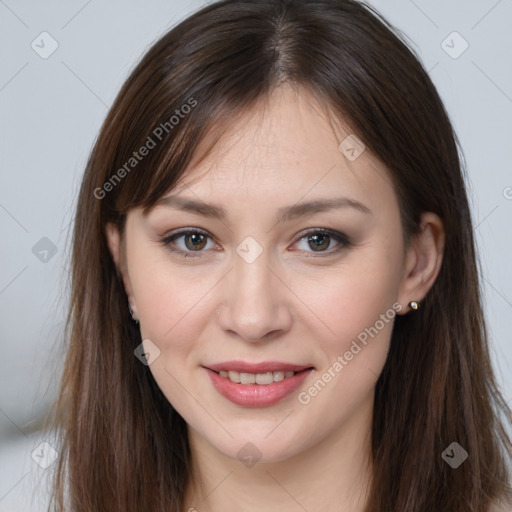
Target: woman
(275, 297)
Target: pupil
(319, 241)
(197, 241)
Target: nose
(255, 303)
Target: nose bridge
(252, 277)
(255, 304)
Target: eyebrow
(283, 214)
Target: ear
(423, 259)
(117, 250)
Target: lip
(256, 395)
(263, 367)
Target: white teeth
(264, 378)
(247, 378)
(278, 376)
(234, 376)
(256, 378)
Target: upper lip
(262, 367)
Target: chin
(262, 444)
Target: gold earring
(414, 305)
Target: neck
(333, 475)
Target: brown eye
(319, 241)
(195, 241)
(323, 241)
(189, 243)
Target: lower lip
(257, 395)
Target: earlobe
(423, 260)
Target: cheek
(170, 298)
(349, 300)
(356, 304)
(359, 310)
(173, 307)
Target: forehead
(283, 148)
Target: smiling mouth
(260, 384)
(263, 379)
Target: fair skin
(291, 304)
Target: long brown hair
(123, 446)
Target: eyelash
(342, 239)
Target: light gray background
(51, 110)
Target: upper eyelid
(341, 237)
(185, 231)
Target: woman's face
(295, 263)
